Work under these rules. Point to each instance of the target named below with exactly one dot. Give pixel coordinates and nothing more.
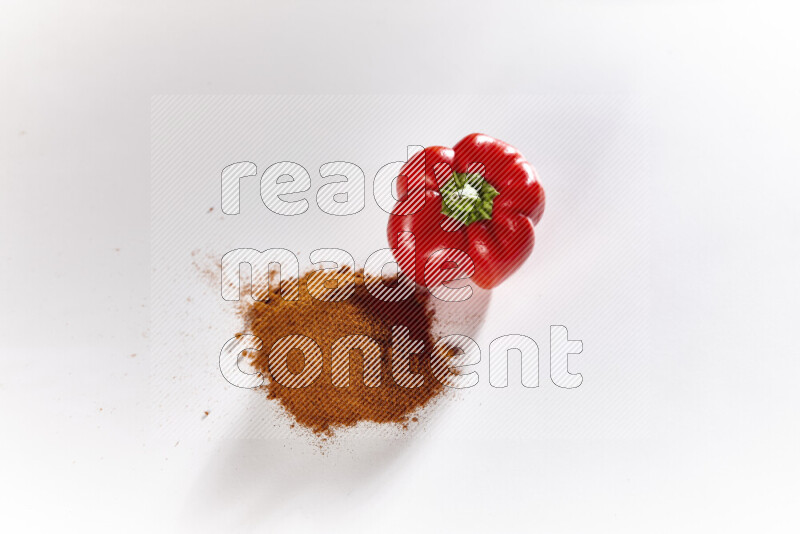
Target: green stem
(467, 197)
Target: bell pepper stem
(467, 197)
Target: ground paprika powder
(322, 406)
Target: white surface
(721, 90)
(589, 271)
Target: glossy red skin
(498, 246)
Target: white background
(719, 450)
(590, 270)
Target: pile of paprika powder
(322, 406)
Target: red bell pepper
(480, 197)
